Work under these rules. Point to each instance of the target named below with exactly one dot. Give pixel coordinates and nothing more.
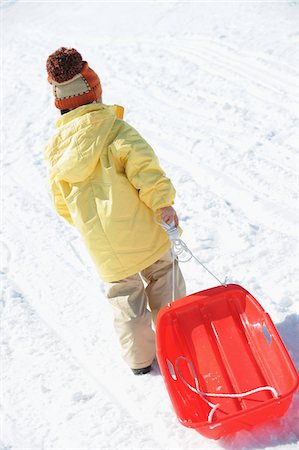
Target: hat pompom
(64, 64)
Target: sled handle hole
(267, 334)
(171, 369)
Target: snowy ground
(213, 86)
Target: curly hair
(64, 64)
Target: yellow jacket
(107, 182)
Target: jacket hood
(80, 138)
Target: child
(106, 181)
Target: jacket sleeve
(59, 203)
(53, 186)
(143, 169)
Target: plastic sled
(221, 342)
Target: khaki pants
(130, 301)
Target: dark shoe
(142, 371)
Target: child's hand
(169, 215)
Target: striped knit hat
(74, 82)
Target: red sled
(223, 362)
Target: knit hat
(74, 82)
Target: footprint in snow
(82, 398)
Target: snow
(213, 86)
